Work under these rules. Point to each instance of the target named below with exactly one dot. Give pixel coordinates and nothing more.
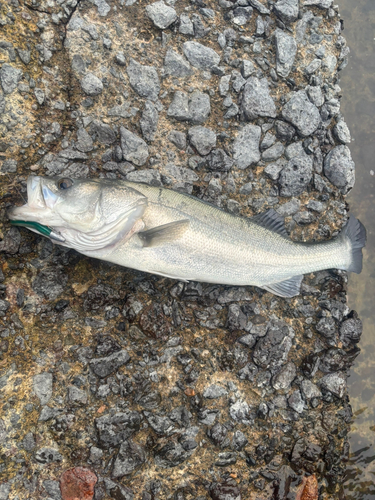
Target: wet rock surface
(118, 384)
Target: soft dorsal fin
(288, 288)
(271, 220)
(164, 234)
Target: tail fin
(356, 233)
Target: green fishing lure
(40, 228)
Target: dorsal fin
(271, 220)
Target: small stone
(294, 149)
(24, 55)
(241, 15)
(256, 100)
(284, 131)
(240, 412)
(295, 177)
(274, 152)
(239, 441)
(339, 168)
(161, 15)
(286, 50)
(9, 166)
(9, 77)
(203, 139)
(315, 95)
(133, 147)
(224, 492)
(131, 456)
(296, 402)
(179, 107)
(84, 142)
(42, 386)
(287, 10)
(186, 26)
(310, 390)
(120, 58)
(219, 161)
(301, 113)
(303, 218)
(48, 455)
(341, 132)
(114, 429)
(214, 391)
(335, 383)
(247, 68)
(246, 146)
(199, 107)
(273, 170)
(313, 67)
(316, 206)
(176, 65)
(283, 379)
(102, 132)
(102, 367)
(149, 121)
(52, 488)
(143, 79)
(28, 443)
(200, 56)
(178, 139)
(148, 176)
(238, 81)
(40, 96)
(323, 4)
(78, 482)
(4, 491)
(224, 85)
(91, 85)
(351, 331)
(76, 395)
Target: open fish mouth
(33, 213)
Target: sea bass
(171, 234)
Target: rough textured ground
(116, 384)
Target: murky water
(358, 106)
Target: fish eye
(65, 183)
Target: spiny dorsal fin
(288, 288)
(271, 220)
(164, 234)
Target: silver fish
(167, 233)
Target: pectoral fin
(166, 233)
(288, 288)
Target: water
(358, 106)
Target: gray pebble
(286, 49)
(28, 442)
(294, 149)
(143, 79)
(313, 67)
(76, 395)
(186, 26)
(4, 491)
(240, 412)
(287, 10)
(284, 131)
(176, 65)
(256, 100)
(214, 391)
(316, 206)
(84, 142)
(246, 188)
(161, 15)
(78, 64)
(133, 147)
(42, 386)
(120, 58)
(268, 141)
(323, 4)
(301, 113)
(335, 383)
(241, 15)
(296, 176)
(24, 55)
(9, 77)
(102, 367)
(52, 488)
(273, 170)
(219, 161)
(199, 107)
(48, 455)
(246, 146)
(178, 139)
(341, 132)
(224, 85)
(274, 152)
(315, 95)
(148, 176)
(296, 402)
(130, 457)
(284, 378)
(259, 6)
(149, 121)
(91, 85)
(102, 132)
(339, 168)
(200, 56)
(238, 81)
(247, 68)
(310, 390)
(179, 107)
(9, 166)
(203, 139)
(304, 218)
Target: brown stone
(309, 489)
(78, 484)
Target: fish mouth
(36, 205)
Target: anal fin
(163, 234)
(288, 288)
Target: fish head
(99, 210)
